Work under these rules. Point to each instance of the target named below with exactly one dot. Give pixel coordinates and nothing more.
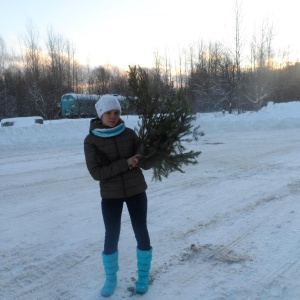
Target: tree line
(212, 76)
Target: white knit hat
(106, 103)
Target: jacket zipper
(122, 175)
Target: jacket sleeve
(147, 163)
(98, 164)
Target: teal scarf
(108, 132)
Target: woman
(111, 157)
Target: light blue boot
(111, 267)
(143, 263)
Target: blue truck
(82, 105)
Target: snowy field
(228, 228)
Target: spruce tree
(165, 123)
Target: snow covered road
(228, 228)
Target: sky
(228, 228)
(127, 32)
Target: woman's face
(110, 118)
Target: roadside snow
(228, 228)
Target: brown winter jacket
(106, 160)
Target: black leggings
(112, 211)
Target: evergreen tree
(166, 123)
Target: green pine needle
(165, 124)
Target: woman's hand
(133, 161)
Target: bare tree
(163, 69)
(56, 46)
(2, 56)
(3, 104)
(236, 76)
(32, 52)
(102, 79)
(199, 78)
(260, 83)
(64, 72)
(32, 67)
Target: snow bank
(57, 132)
(273, 116)
(22, 121)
